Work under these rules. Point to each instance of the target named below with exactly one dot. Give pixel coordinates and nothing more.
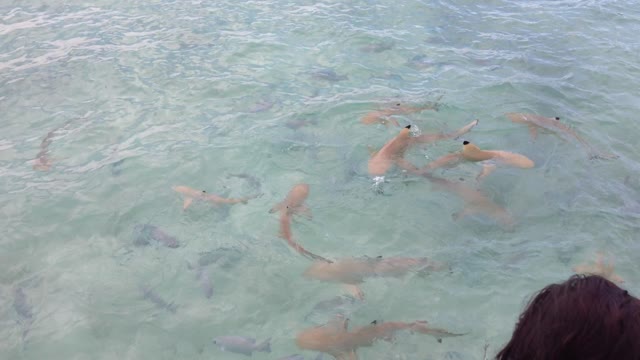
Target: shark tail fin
(265, 346)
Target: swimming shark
(392, 153)
(471, 152)
(601, 268)
(384, 116)
(353, 271)
(476, 202)
(335, 338)
(294, 204)
(193, 194)
(536, 122)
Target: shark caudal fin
(265, 346)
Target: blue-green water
(188, 92)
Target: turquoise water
(188, 92)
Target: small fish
(421, 62)
(297, 124)
(153, 297)
(205, 282)
(328, 75)
(242, 345)
(377, 47)
(193, 194)
(116, 167)
(21, 304)
(223, 257)
(260, 106)
(292, 357)
(336, 305)
(143, 234)
(250, 179)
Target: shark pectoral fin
(276, 207)
(463, 130)
(355, 291)
(463, 213)
(186, 203)
(304, 211)
(407, 166)
(372, 151)
(486, 170)
(533, 131)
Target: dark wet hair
(585, 317)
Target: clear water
(187, 92)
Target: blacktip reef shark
(294, 204)
(384, 116)
(335, 338)
(471, 152)
(555, 125)
(352, 272)
(193, 194)
(601, 268)
(476, 202)
(392, 153)
(43, 161)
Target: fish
(193, 194)
(294, 204)
(42, 161)
(422, 62)
(553, 124)
(153, 297)
(260, 106)
(21, 304)
(292, 357)
(476, 202)
(328, 75)
(391, 153)
(335, 339)
(145, 233)
(353, 271)
(250, 179)
(242, 345)
(602, 267)
(333, 306)
(116, 167)
(377, 47)
(205, 282)
(298, 123)
(383, 116)
(431, 138)
(471, 152)
(223, 257)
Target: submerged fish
(153, 297)
(294, 204)
(193, 194)
(205, 282)
(328, 75)
(224, 257)
(553, 124)
(377, 47)
(292, 357)
(242, 345)
(116, 167)
(21, 303)
(250, 179)
(334, 338)
(145, 233)
(336, 305)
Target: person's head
(585, 317)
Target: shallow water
(145, 95)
